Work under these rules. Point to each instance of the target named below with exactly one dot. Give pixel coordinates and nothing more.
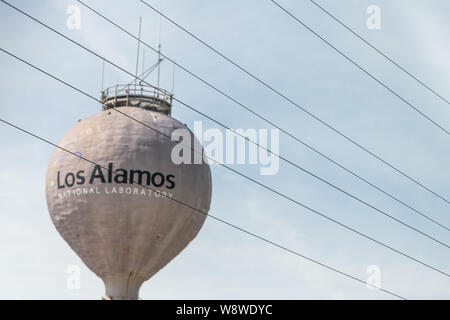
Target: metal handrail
(137, 90)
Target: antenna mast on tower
(103, 74)
(159, 44)
(138, 46)
(142, 94)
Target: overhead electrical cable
(237, 172)
(264, 119)
(278, 92)
(391, 60)
(229, 224)
(361, 68)
(251, 141)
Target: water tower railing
(138, 90)
(140, 95)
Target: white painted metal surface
(124, 232)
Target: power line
(257, 144)
(380, 52)
(361, 68)
(264, 119)
(264, 83)
(209, 215)
(237, 172)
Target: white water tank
(123, 231)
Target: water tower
(120, 216)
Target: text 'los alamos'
(124, 176)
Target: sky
(223, 263)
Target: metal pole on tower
(173, 79)
(143, 60)
(159, 44)
(103, 74)
(137, 58)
